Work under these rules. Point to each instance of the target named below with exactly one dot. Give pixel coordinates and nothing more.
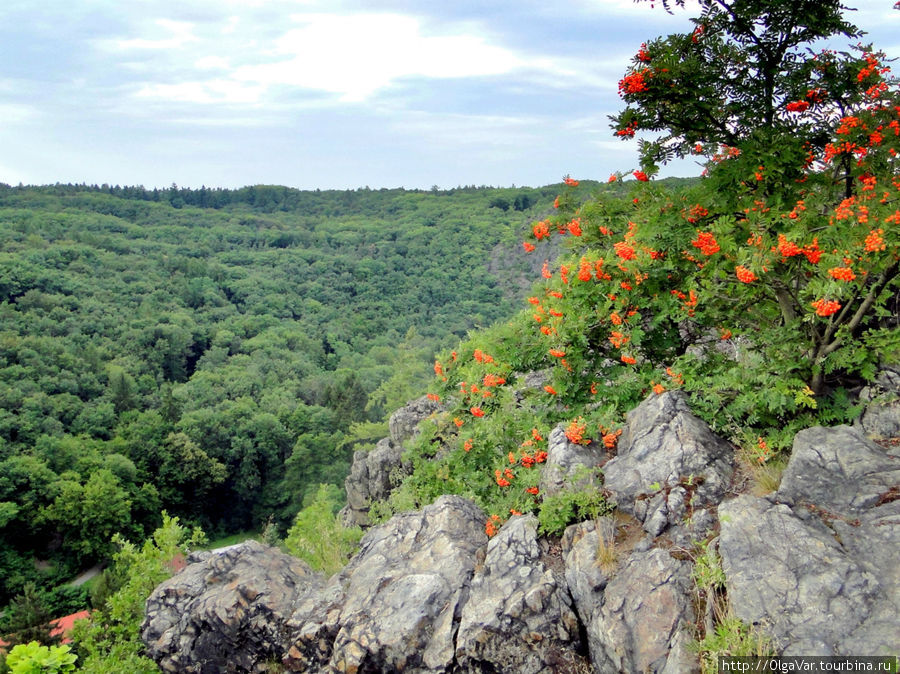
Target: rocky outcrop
(518, 616)
(425, 593)
(396, 606)
(838, 470)
(637, 610)
(816, 563)
(375, 474)
(586, 574)
(570, 465)
(227, 611)
(643, 623)
(404, 423)
(881, 416)
(669, 464)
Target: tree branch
(887, 276)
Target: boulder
(837, 469)
(881, 417)
(373, 475)
(642, 622)
(518, 616)
(816, 562)
(569, 464)
(397, 604)
(585, 575)
(792, 577)
(227, 610)
(669, 464)
(404, 423)
(874, 543)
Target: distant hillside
(216, 352)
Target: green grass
(231, 539)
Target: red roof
(60, 627)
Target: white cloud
(17, 113)
(212, 63)
(209, 91)
(356, 55)
(241, 57)
(472, 131)
(651, 13)
(180, 33)
(231, 26)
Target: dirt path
(86, 576)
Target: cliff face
(814, 564)
(374, 474)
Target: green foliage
(222, 358)
(571, 505)
(109, 641)
(317, 536)
(27, 618)
(732, 638)
(708, 573)
(760, 286)
(724, 634)
(93, 512)
(409, 378)
(728, 81)
(270, 534)
(33, 658)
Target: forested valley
(217, 354)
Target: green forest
(216, 353)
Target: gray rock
(534, 380)
(696, 529)
(404, 423)
(794, 578)
(585, 575)
(227, 612)
(518, 615)
(637, 611)
(817, 563)
(643, 623)
(875, 544)
(881, 417)
(837, 469)
(569, 464)
(669, 464)
(373, 475)
(396, 605)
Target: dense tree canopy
(219, 352)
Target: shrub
(109, 642)
(317, 536)
(766, 289)
(33, 658)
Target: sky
(329, 94)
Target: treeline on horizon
(276, 197)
